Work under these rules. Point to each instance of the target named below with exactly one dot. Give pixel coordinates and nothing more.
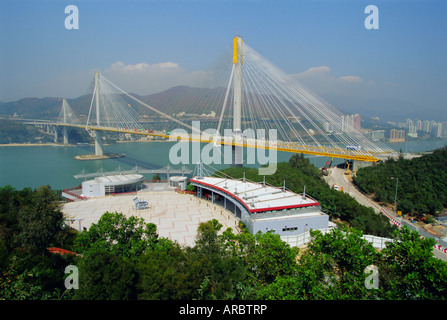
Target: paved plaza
(177, 216)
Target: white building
(262, 207)
(102, 186)
(178, 182)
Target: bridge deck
(279, 145)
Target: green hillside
(16, 132)
(422, 182)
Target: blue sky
(146, 46)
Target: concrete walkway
(177, 216)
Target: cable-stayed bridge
(253, 103)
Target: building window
(289, 229)
(109, 189)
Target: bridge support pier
(65, 135)
(56, 135)
(356, 165)
(98, 143)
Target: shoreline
(150, 141)
(68, 145)
(36, 145)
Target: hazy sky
(148, 46)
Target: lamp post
(395, 196)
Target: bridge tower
(98, 133)
(237, 98)
(64, 128)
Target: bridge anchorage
(243, 93)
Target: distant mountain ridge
(44, 108)
(183, 98)
(170, 101)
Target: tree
(410, 271)
(332, 267)
(105, 276)
(347, 255)
(420, 180)
(30, 222)
(16, 285)
(207, 239)
(39, 221)
(119, 235)
(222, 269)
(168, 273)
(267, 256)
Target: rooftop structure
(262, 207)
(101, 186)
(256, 197)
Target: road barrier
(305, 237)
(391, 218)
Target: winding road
(337, 177)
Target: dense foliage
(30, 222)
(421, 182)
(299, 173)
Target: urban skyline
(416, 128)
(436, 128)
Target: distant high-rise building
(444, 129)
(419, 124)
(413, 131)
(350, 123)
(426, 126)
(357, 122)
(438, 131)
(397, 135)
(408, 123)
(432, 125)
(328, 127)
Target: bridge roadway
(283, 146)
